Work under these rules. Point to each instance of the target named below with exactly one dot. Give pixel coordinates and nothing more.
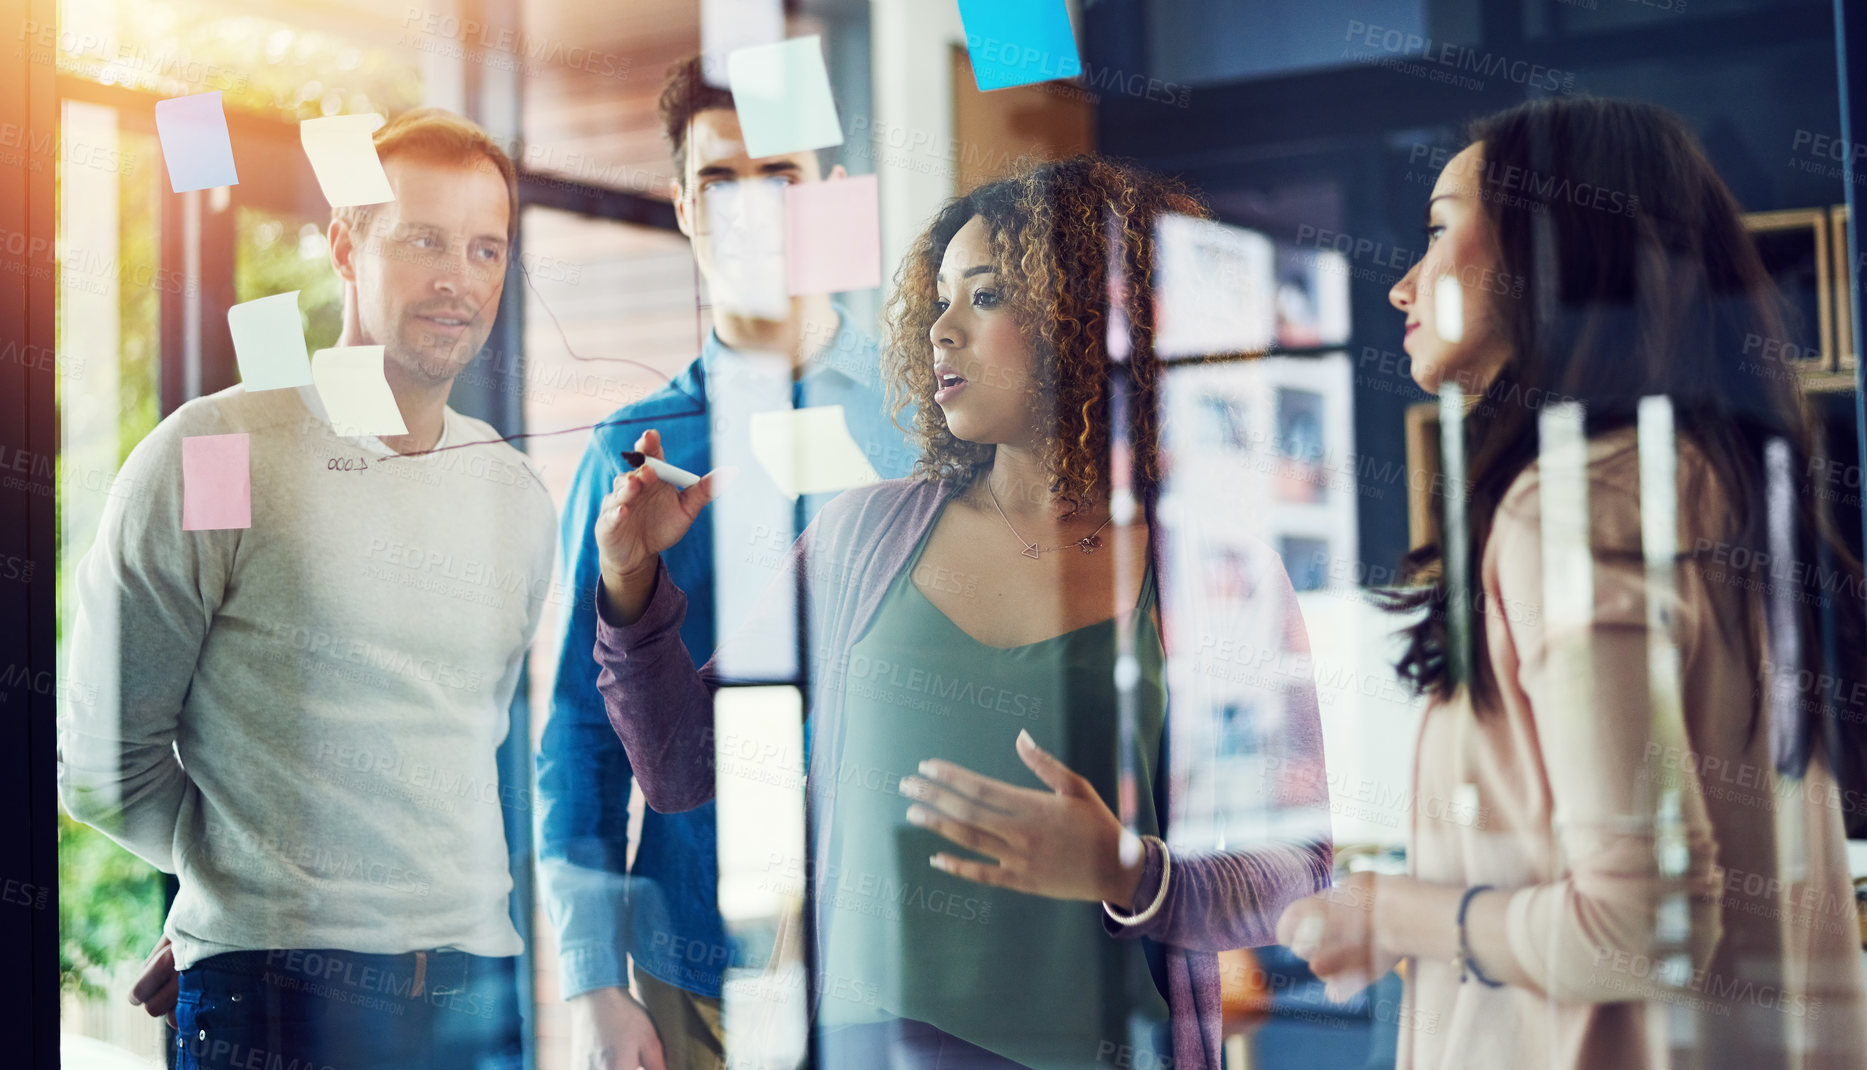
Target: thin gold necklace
(1088, 544)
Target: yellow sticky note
(809, 451)
(355, 393)
(344, 159)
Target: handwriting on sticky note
(217, 482)
(1018, 42)
(809, 451)
(195, 143)
(833, 236)
(355, 393)
(782, 94)
(344, 159)
(269, 342)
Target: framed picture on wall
(1794, 246)
(1312, 297)
(1423, 474)
(1843, 258)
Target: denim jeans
(322, 1009)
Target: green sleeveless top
(1035, 980)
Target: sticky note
(1018, 42)
(269, 342)
(833, 236)
(344, 159)
(729, 25)
(782, 93)
(744, 225)
(1215, 289)
(195, 145)
(217, 482)
(356, 396)
(809, 451)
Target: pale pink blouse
(1542, 797)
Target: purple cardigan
(662, 708)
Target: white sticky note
(782, 93)
(1216, 289)
(1449, 309)
(269, 342)
(727, 26)
(809, 451)
(355, 393)
(344, 159)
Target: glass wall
(856, 533)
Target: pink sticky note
(217, 483)
(833, 235)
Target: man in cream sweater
(300, 718)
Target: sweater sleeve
(1220, 900)
(660, 705)
(1587, 691)
(147, 593)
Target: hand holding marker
(646, 511)
(680, 477)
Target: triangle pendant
(1031, 551)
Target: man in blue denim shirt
(663, 911)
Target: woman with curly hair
(977, 903)
(1623, 880)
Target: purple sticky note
(833, 235)
(195, 145)
(217, 483)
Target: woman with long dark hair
(968, 753)
(1600, 880)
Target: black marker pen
(680, 477)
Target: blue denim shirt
(664, 911)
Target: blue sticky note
(195, 145)
(1019, 42)
(782, 94)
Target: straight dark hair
(1640, 279)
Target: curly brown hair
(1050, 229)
